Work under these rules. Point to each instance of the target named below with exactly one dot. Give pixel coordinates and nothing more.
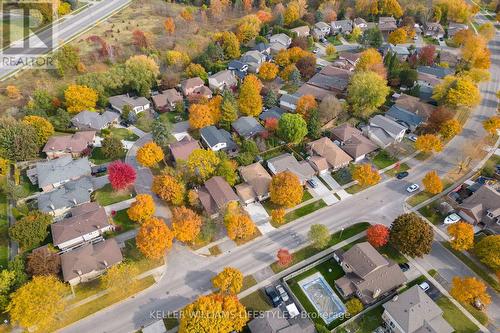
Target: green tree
(31, 230)
(229, 108)
(313, 124)
(372, 38)
(7, 279)
(112, 147)
(66, 58)
(488, 251)
(271, 99)
(227, 170)
(161, 132)
(319, 236)
(292, 128)
(354, 306)
(366, 92)
(411, 235)
(18, 141)
(17, 265)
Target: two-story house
(222, 80)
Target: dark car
(402, 175)
(273, 296)
(404, 266)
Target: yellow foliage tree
(305, 104)
(12, 92)
(330, 50)
(287, 71)
(214, 106)
(186, 224)
(43, 127)
(248, 28)
(268, 71)
(450, 128)
(239, 226)
(476, 53)
(150, 154)
(142, 208)
(200, 116)
(169, 189)
(429, 143)
(229, 43)
(368, 59)
(487, 30)
(492, 125)
(398, 36)
(194, 70)
(120, 279)
(154, 238)
(286, 189)
(462, 236)
(469, 289)
(291, 13)
(202, 164)
(177, 59)
(229, 281)
(366, 175)
(143, 61)
(432, 183)
(455, 91)
(79, 98)
(250, 100)
(278, 215)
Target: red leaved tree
(377, 235)
(426, 55)
(121, 175)
(284, 257)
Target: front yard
(269, 206)
(97, 157)
(107, 196)
(123, 134)
(122, 222)
(423, 195)
(455, 317)
(383, 159)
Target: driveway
(99, 182)
(336, 188)
(259, 215)
(321, 191)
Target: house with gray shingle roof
(89, 120)
(342, 26)
(274, 112)
(54, 173)
(254, 59)
(454, 27)
(288, 162)
(404, 117)
(222, 80)
(247, 127)
(384, 131)
(217, 139)
(59, 201)
(137, 103)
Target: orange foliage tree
(229, 281)
(142, 208)
(286, 190)
(154, 238)
(305, 104)
(377, 235)
(365, 175)
(150, 154)
(79, 98)
(250, 100)
(169, 189)
(429, 143)
(492, 125)
(432, 183)
(368, 60)
(469, 289)
(462, 236)
(284, 257)
(398, 36)
(450, 128)
(278, 215)
(476, 53)
(186, 224)
(268, 71)
(169, 25)
(239, 226)
(200, 116)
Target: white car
(282, 292)
(412, 137)
(412, 188)
(425, 286)
(452, 218)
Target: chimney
(79, 272)
(74, 201)
(376, 293)
(52, 207)
(395, 298)
(105, 263)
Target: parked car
(425, 286)
(282, 292)
(412, 188)
(452, 218)
(315, 50)
(412, 137)
(313, 183)
(402, 175)
(273, 296)
(404, 266)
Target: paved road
(188, 275)
(70, 27)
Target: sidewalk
(119, 206)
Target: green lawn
(432, 214)
(344, 175)
(97, 156)
(422, 196)
(248, 282)
(356, 188)
(455, 317)
(268, 154)
(124, 134)
(488, 169)
(371, 320)
(107, 196)
(394, 171)
(122, 222)
(393, 254)
(28, 187)
(132, 254)
(256, 301)
(304, 210)
(334, 40)
(430, 40)
(383, 159)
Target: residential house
(61, 200)
(167, 100)
(239, 68)
(281, 38)
(222, 80)
(90, 261)
(316, 90)
(254, 59)
(137, 104)
(329, 81)
(350, 57)
(181, 150)
(195, 88)
(273, 321)
(322, 29)
(352, 141)
(73, 145)
(400, 51)
(454, 27)
(413, 311)
(263, 48)
(215, 195)
(95, 121)
(483, 206)
(341, 26)
(368, 275)
(434, 30)
(431, 76)
(287, 162)
(180, 130)
(274, 112)
(328, 152)
(217, 139)
(289, 102)
(384, 131)
(86, 223)
(449, 58)
(303, 31)
(360, 22)
(256, 183)
(386, 25)
(247, 127)
(404, 117)
(54, 173)
(415, 105)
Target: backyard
(123, 134)
(107, 196)
(122, 222)
(97, 157)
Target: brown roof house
(287, 162)
(256, 185)
(195, 87)
(87, 222)
(353, 142)
(69, 145)
(368, 275)
(89, 261)
(482, 206)
(415, 105)
(182, 149)
(215, 195)
(434, 30)
(167, 100)
(387, 24)
(413, 311)
(324, 150)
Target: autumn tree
(330, 50)
(154, 238)
(38, 303)
(150, 154)
(468, 290)
(286, 189)
(196, 70)
(229, 43)
(305, 104)
(112, 147)
(43, 127)
(200, 116)
(121, 278)
(307, 66)
(228, 281)
(292, 128)
(319, 236)
(462, 236)
(437, 119)
(432, 183)
(140, 73)
(428, 143)
(250, 100)
(142, 208)
(186, 224)
(239, 226)
(450, 128)
(377, 235)
(488, 251)
(492, 125)
(278, 215)
(368, 59)
(456, 91)
(354, 306)
(121, 175)
(487, 30)
(411, 235)
(142, 39)
(169, 25)
(268, 71)
(248, 28)
(366, 175)
(291, 13)
(31, 230)
(79, 98)
(12, 92)
(329, 108)
(176, 59)
(229, 110)
(199, 316)
(43, 262)
(366, 92)
(202, 164)
(284, 257)
(426, 55)
(475, 52)
(169, 189)
(398, 36)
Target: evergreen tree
(271, 99)
(229, 109)
(295, 77)
(313, 124)
(161, 132)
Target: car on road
(402, 175)
(424, 286)
(313, 183)
(316, 50)
(273, 296)
(412, 188)
(404, 266)
(282, 292)
(452, 218)
(412, 137)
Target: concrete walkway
(140, 133)
(119, 206)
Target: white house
(222, 80)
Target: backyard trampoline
(322, 297)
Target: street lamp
(341, 231)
